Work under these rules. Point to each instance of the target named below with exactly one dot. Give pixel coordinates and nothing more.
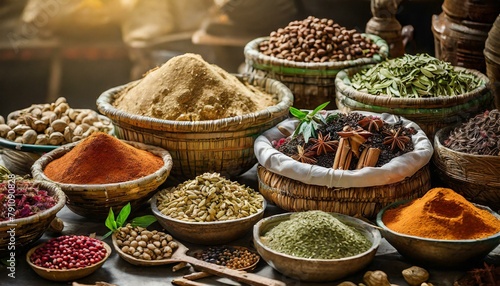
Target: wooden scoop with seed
(180, 255)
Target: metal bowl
(316, 270)
(207, 233)
(438, 253)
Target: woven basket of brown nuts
(307, 55)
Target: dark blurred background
(80, 48)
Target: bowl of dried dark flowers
(28, 205)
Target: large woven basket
(431, 114)
(293, 195)
(93, 201)
(311, 83)
(492, 57)
(476, 177)
(223, 145)
(29, 229)
(296, 186)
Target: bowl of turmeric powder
(441, 229)
(102, 172)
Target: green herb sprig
(308, 121)
(414, 76)
(115, 224)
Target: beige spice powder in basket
(188, 88)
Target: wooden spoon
(180, 255)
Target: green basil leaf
(298, 113)
(110, 220)
(123, 215)
(320, 107)
(143, 221)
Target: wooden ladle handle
(237, 275)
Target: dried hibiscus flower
(23, 200)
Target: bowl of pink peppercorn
(68, 257)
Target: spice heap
(144, 244)
(442, 214)
(186, 88)
(317, 40)
(102, 159)
(414, 76)
(52, 124)
(478, 136)
(229, 256)
(350, 141)
(23, 199)
(69, 252)
(209, 197)
(316, 235)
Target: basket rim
(389, 101)
(56, 191)
(159, 175)
(106, 99)
(252, 53)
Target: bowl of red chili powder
(441, 229)
(102, 172)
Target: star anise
(324, 144)
(371, 123)
(304, 156)
(395, 139)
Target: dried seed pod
(59, 125)
(11, 135)
(39, 126)
(376, 278)
(12, 123)
(60, 100)
(415, 275)
(29, 137)
(56, 138)
(36, 112)
(4, 129)
(42, 139)
(56, 225)
(68, 134)
(20, 129)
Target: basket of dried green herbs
(306, 56)
(467, 158)
(26, 210)
(351, 163)
(428, 91)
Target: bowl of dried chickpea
(208, 209)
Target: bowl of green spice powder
(316, 246)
